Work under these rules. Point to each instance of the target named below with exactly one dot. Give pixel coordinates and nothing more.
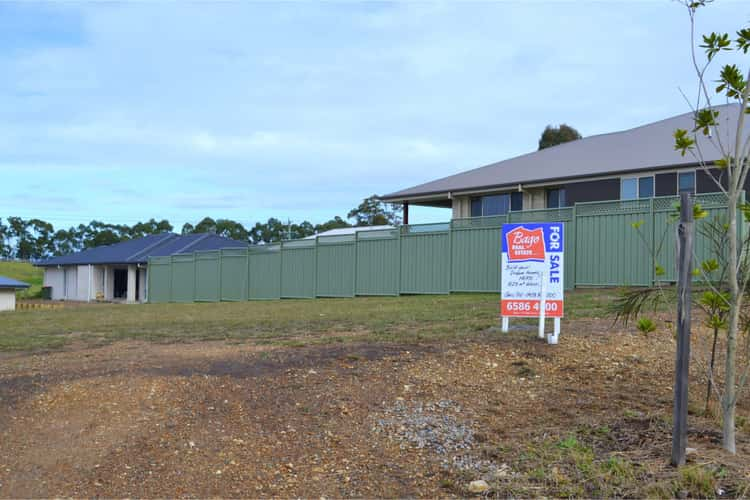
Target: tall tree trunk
(729, 399)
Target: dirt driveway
(137, 419)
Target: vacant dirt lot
(131, 418)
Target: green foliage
(552, 136)
(631, 302)
(646, 325)
(709, 266)
(374, 212)
(683, 142)
(714, 43)
(36, 239)
(26, 272)
(659, 270)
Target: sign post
(532, 274)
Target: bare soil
(208, 419)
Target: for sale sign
(532, 261)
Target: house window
(476, 207)
(686, 182)
(556, 198)
(636, 187)
(496, 204)
(516, 201)
(646, 187)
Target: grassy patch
(24, 271)
(408, 319)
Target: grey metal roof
(648, 147)
(11, 283)
(138, 251)
(345, 231)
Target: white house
(119, 272)
(8, 289)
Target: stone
(478, 486)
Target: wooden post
(682, 364)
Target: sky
(298, 110)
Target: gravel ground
(235, 420)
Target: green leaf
(696, 272)
(659, 271)
(709, 266)
(682, 141)
(743, 40)
(705, 119)
(714, 43)
(646, 325)
(731, 82)
(637, 224)
(698, 212)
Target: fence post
(315, 270)
(281, 269)
(171, 273)
(450, 256)
(400, 260)
(195, 277)
(652, 234)
(573, 227)
(356, 262)
(247, 273)
(221, 267)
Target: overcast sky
(122, 112)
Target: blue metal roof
(138, 251)
(11, 283)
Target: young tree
(552, 136)
(735, 161)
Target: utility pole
(682, 364)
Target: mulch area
(136, 419)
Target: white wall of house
(85, 283)
(143, 284)
(71, 282)
(55, 278)
(88, 283)
(534, 198)
(461, 207)
(7, 299)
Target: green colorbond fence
(602, 248)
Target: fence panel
(603, 248)
(183, 278)
(378, 262)
(264, 273)
(665, 227)
(475, 258)
(298, 269)
(207, 276)
(234, 274)
(159, 279)
(336, 268)
(425, 259)
(609, 251)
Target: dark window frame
(514, 199)
(561, 198)
(695, 181)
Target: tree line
(33, 239)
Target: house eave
(447, 195)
